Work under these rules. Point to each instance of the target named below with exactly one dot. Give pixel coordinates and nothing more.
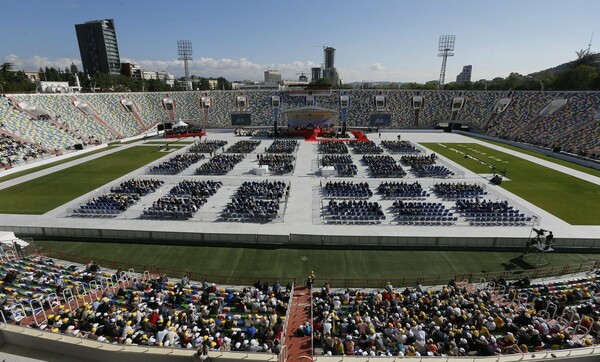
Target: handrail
(42, 311)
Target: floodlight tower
(184, 49)
(445, 48)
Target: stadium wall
(88, 350)
(293, 240)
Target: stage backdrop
(317, 117)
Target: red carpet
(298, 347)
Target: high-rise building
(330, 73)
(316, 74)
(98, 47)
(465, 75)
(272, 76)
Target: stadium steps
(298, 347)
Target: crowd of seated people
(200, 188)
(462, 190)
(279, 164)
(184, 130)
(176, 164)
(365, 147)
(333, 147)
(397, 189)
(183, 201)
(141, 187)
(416, 212)
(453, 320)
(13, 151)
(246, 146)
(256, 201)
(355, 211)
(383, 166)
(152, 310)
(400, 146)
(431, 171)
(250, 209)
(119, 199)
(269, 190)
(219, 165)
(174, 207)
(107, 204)
(413, 160)
(486, 212)
(282, 146)
(336, 189)
(342, 163)
(207, 146)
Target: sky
(375, 40)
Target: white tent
(180, 124)
(8, 238)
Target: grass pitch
(573, 200)
(45, 193)
(267, 264)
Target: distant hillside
(594, 59)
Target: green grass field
(51, 164)
(555, 160)
(286, 263)
(45, 193)
(573, 200)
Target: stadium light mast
(445, 48)
(184, 49)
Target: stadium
(154, 217)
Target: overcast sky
(377, 40)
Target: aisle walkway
(298, 347)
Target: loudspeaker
(78, 146)
(557, 149)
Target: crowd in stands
(457, 321)
(395, 189)
(183, 201)
(219, 165)
(13, 151)
(462, 190)
(246, 146)
(333, 147)
(207, 146)
(400, 147)
(120, 198)
(176, 164)
(353, 211)
(383, 166)
(342, 163)
(365, 147)
(346, 189)
(151, 310)
(282, 146)
(279, 164)
(573, 127)
(256, 201)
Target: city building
(98, 47)
(131, 70)
(330, 74)
(272, 76)
(465, 75)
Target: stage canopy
(310, 116)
